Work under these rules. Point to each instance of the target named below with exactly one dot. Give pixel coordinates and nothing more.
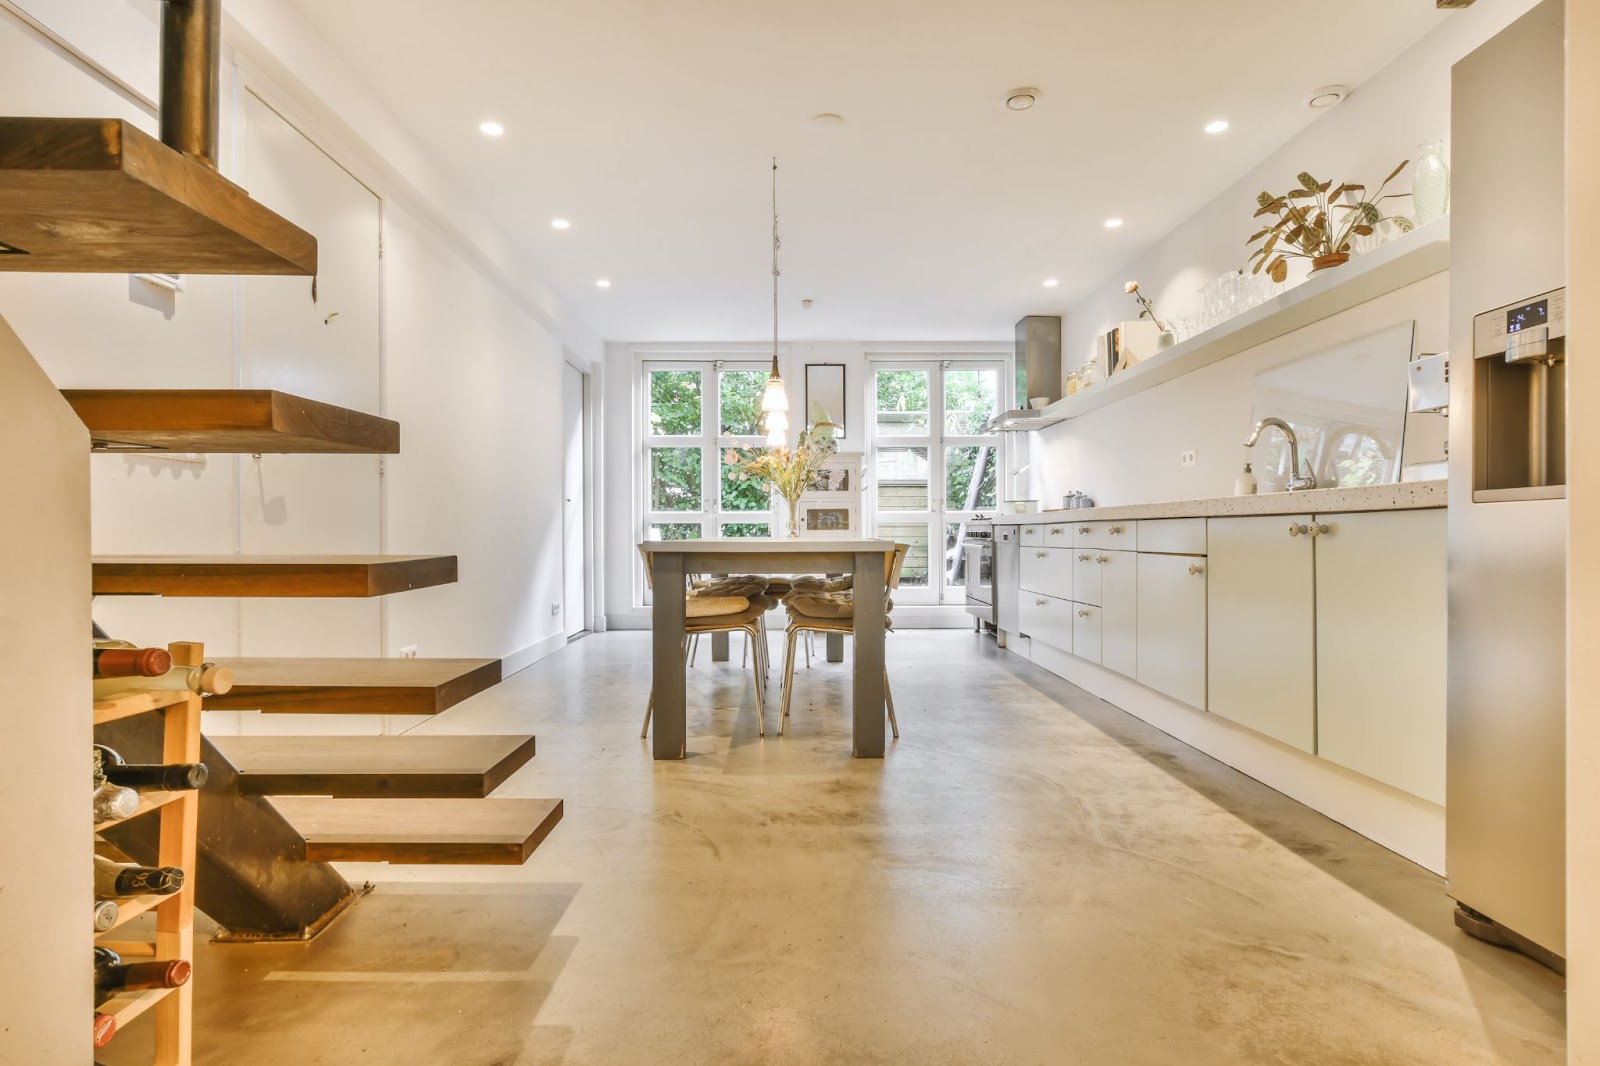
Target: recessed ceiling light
(1051, 283)
(1327, 96)
(560, 223)
(491, 128)
(602, 283)
(1219, 126)
(1113, 223)
(828, 118)
(1022, 99)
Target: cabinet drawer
(1058, 535)
(1047, 571)
(1086, 567)
(1175, 536)
(1047, 620)
(1086, 631)
(1033, 534)
(1105, 535)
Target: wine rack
(179, 813)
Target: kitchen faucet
(1297, 481)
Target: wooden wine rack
(180, 815)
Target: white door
(574, 599)
(1262, 619)
(1171, 623)
(1381, 637)
(1119, 614)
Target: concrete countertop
(1409, 496)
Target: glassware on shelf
(1430, 183)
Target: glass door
(935, 468)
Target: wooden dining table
(673, 560)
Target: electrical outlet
(1186, 458)
(555, 608)
(408, 651)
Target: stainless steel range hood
(1038, 369)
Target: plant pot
(1323, 262)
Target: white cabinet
(1381, 647)
(1032, 534)
(1047, 620)
(1086, 575)
(1047, 571)
(1119, 614)
(1105, 535)
(1173, 536)
(1058, 535)
(1086, 631)
(1171, 626)
(1261, 660)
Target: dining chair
(832, 611)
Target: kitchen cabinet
(1047, 620)
(1173, 536)
(1170, 620)
(1058, 535)
(1047, 571)
(1105, 535)
(1261, 617)
(1086, 631)
(1032, 534)
(1381, 635)
(1086, 568)
(1119, 612)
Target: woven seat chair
(831, 611)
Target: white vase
(1430, 183)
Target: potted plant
(787, 470)
(1308, 224)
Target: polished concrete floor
(1030, 876)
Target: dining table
(673, 561)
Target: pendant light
(775, 398)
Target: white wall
(1583, 564)
(1362, 139)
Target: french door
(934, 467)
(693, 411)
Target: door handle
(1196, 568)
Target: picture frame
(825, 386)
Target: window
(934, 467)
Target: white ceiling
(932, 213)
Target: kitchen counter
(1408, 496)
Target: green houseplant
(1318, 221)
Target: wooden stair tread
(412, 766)
(227, 421)
(353, 686)
(468, 831)
(102, 196)
(269, 575)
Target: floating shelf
(412, 766)
(227, 421)
(269, 575)
(353, 686)
(1407, 259)
(89, 195)
(501, 832)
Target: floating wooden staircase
(410, 767)
(228, 421)
(269, 575)
(353, 686)
(500, 832)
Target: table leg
(670, 724)
(719, 647)
(868, 620)
(836, 647)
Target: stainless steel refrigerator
(1505, 778)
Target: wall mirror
(825, 390)
(1347, 405)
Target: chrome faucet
(1297, 480)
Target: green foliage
(676, 409)
(1306, 224)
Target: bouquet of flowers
(787, 470)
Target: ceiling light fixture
(1051, 283)
(1219, 126)
(1113, 223)
(491, 128)
(828, 118)
(1327, 96)
(1022, 99)
(774, 397)
(560, 223)
(602, 283)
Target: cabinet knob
(1319, 529)
(1083, 614)
(1115, 531)
(1083, 529)
(1297, 528)
(1103, 559)
(1056, 531)
(1084, 558)
(1196, 568)
(1042, 555)
(1041, 603)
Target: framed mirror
(825, 391)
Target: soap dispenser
(1246, 485)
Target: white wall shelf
(1405, 260)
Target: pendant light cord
(775, 245)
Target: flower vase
(1166, 340)
(1430, 183)
(793, 515)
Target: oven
(978, 564)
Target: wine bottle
(115, 880)
(112, 975)
(208, 679)
(131, 662)
(106, 913)
(146, 777)
(112, 803)
(105, 1027)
